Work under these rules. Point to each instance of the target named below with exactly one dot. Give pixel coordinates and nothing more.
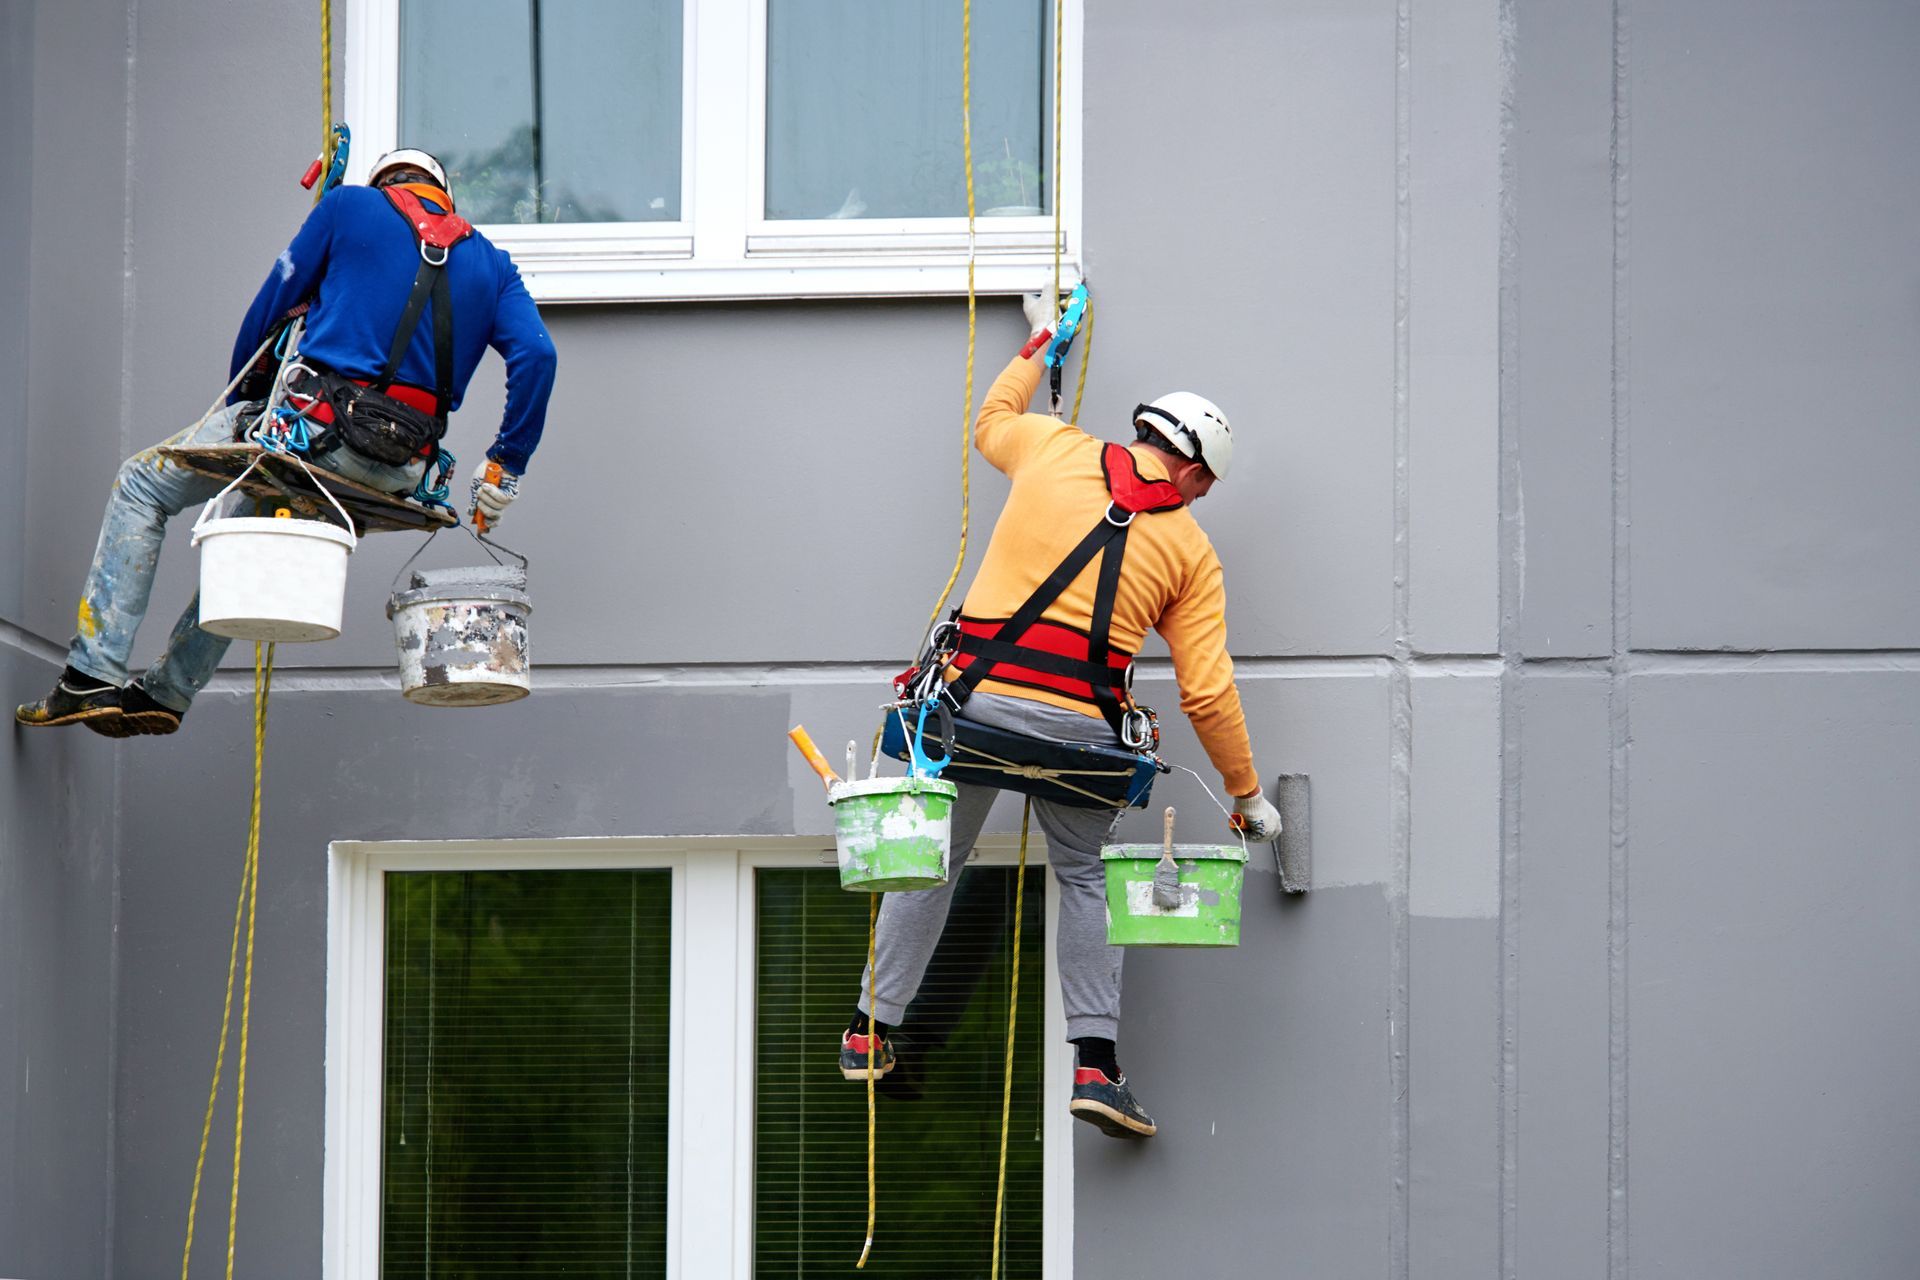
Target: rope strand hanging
(244, 908)
(246, 905)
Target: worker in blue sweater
(400, 298)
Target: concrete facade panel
(1773, 1022)
(1454, 867)
(16, 253)
(1453, 1063)
(1453, 325)
(1332, 729)
(1559, 940)
(57, 887)
(75, 298)
(1773, 273)
(1286, 1161)
(1208, 291)
(1560, 284)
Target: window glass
(863, 108)
(547, 110)
(939, 1110)
(526, 1059)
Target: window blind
(939, 1110)
(525, 1090)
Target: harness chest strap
(1047, 654)
(435, 234)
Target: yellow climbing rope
(326, 97)
(243, 908)
(873, 1039)
(1013, 1016)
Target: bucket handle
(486, 545)
(206, 512)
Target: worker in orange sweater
(1080, 641)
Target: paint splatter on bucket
(462, 636)
(894, 834)
(1208, 911)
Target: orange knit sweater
(1170, 579)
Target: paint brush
(853, 761)
(801, 739)
(1166, 872)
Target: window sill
(655, 277)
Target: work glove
(493, 489)
(1254, 817)
(1042, 308)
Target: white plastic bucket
(272, 578)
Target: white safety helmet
(1194, 426)
(409, 158)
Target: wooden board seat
(287, 482)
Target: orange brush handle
(493, 475)
(800, 739)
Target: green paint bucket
(893, 833)
(1207, 913)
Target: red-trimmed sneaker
(1109, 1104)
(853, 1056)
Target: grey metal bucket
(462, 632)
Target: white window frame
(713, 950)
(723, 248)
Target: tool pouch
(376, 425)
(1080, 775)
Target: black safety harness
(977, 652)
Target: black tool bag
(372, 423)
(1080, 775)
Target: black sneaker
(139, 714)
(76, 699)
(1109, 1104)
(853, 1056)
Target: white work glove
(1042, 308)
(493, 489)
(1258, 820)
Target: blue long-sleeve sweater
(355, 259)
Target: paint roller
(1166, 872)
(801, 739)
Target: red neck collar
(1132, 491)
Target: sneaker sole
(860, 1073)
(77, 717)
(151, 723)
(1109, 1121)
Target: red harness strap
(316, 408)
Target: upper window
(629, 149)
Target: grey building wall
(58, 799)
(1571, 346)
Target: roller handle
(800, 738)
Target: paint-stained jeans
(148, 492)
(911, 923)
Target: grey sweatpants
(911, 923)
